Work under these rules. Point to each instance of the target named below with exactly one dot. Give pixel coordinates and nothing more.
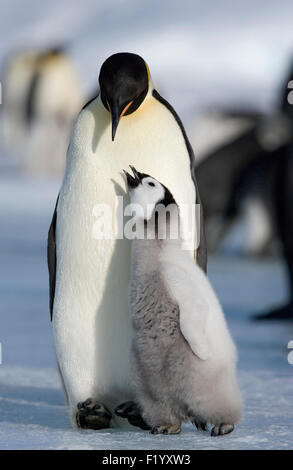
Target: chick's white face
(145, 197)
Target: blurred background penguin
(225, 67)
(245, 178)
(238, 152)
(42, 98)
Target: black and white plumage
(183, 357)
(129, 122)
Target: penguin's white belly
(91, 320)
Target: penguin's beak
(133, 182)
(116, 115)
(115, 121)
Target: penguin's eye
(151, 184)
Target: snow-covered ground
(33, 414)
(200, 54)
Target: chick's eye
(151, 184)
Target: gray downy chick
(183, 357)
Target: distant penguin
(18, 74)
(127, 122)
(53, 82)
(183, 357)
(236, 175)
(283, 196)
(42, 99)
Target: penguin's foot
(92, 415)
(168, 429)
(222, 429)
(130, 411)
(282, 313)
(200, 425)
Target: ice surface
(33, 414)
(201, 54)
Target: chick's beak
(132, 182)
(116, 115)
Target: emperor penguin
(283, 195)
(183, 357)
(42, 98)
(17, 77)
(53, 102)
(128, 122)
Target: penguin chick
(183, 358)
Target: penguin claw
(168, 429)
(222, 429)
(88, 402)
(92, 415)
(126, 408)
(131, 412)
(200, 425)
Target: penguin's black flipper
(130, 411)
(201, 253)
(281, 313)
(51, 257)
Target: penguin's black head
(124, 83)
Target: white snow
(33, 414)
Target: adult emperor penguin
(182, 355)
(128, 122)
(43, 96)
